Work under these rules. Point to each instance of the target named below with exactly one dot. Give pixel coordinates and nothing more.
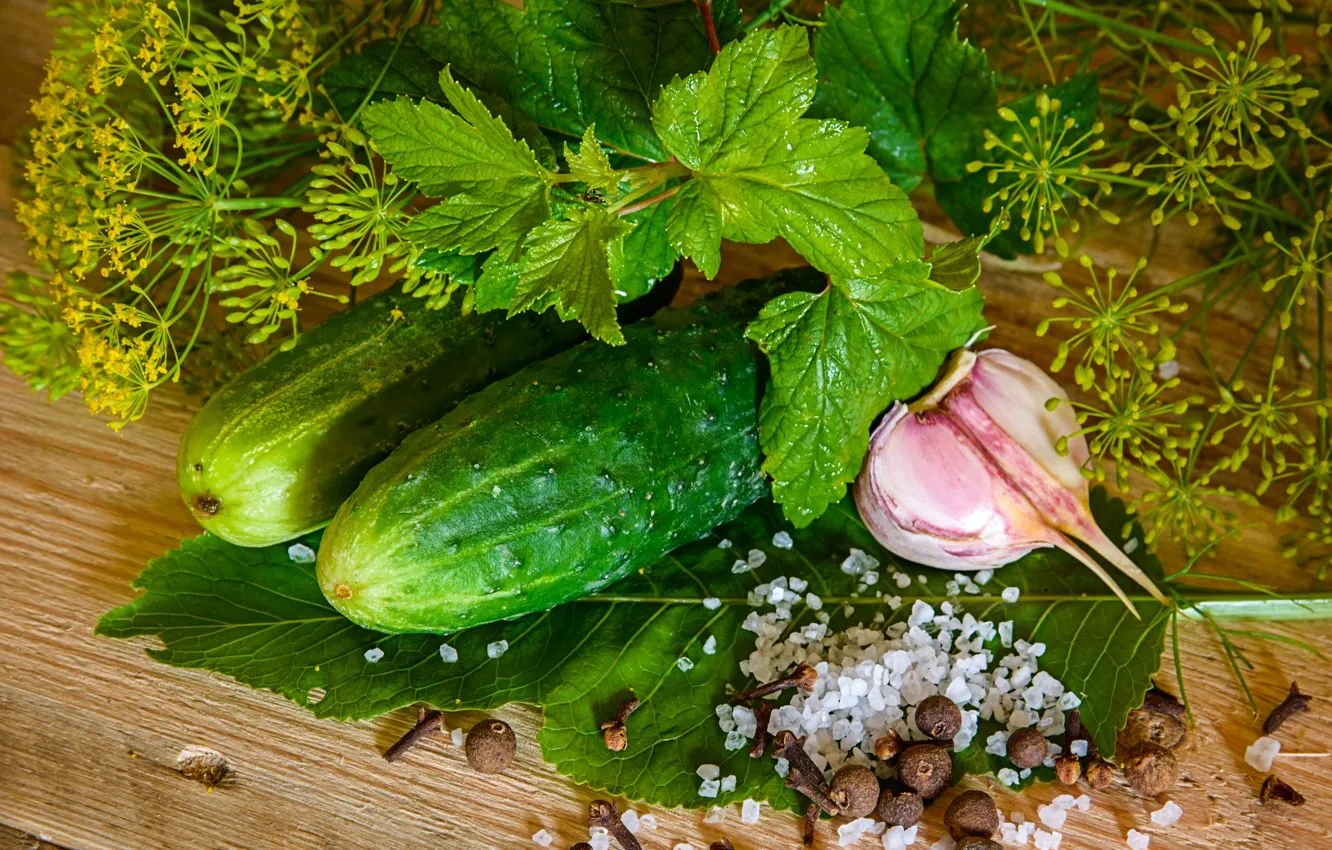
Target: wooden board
(90, 728)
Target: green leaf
(571, 259)
(569, 64)
(387, 68)
(644, 256)
(497, 283)
(591, 165)
(957, 265)
(897, 68)
(838, 359)
(763, 171)
(963, 198)
(494, 189)
(259, 617)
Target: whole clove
(811, 819)
(1163, 702)
(975, 842)
(426, 723)
(802, 677)
(1276, 791)
(723, 844)
(802, 774)
(1294, 703)
(614, 732)
(1099, 773)
(605, 814)
(758, 745)
(889, 747)
(582, 845)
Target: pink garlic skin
(967, 478)
(928, 493)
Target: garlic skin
(967, 477)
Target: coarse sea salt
(1262, 752)
(301, 554)
(1052, 816)
(708, 771)
(684, 663)
(447, 654)
(456, 736)
(870, 678)
(782, 540)
(898, 838)
(496, 649)
(1167, 815)
(716, 814)
(1078, 748)
(1138, 840)
(648, 821)
(1010, 594)
(851, 831)
(724, 544)
(709, 788)
(749, 812)
(712, 603)
(630, 820)
(683, 846)
(1043, 840)
(374, 654)
(728, 783)
(710, 645)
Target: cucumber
(275, 451)
(552, 483)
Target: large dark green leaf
(258, 615)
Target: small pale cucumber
(552, 483)
(275, 451)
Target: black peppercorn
(975, 842)
(972, 813)
(1276, 791)
(1151, 770)
(490, 746)
(939, 718)
(904, 810)
(855, 790)
(926, 769)
(1026, 748)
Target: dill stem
(774, 9)
(1119, 26)
(249, 204)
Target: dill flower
(1041, 162)
(1185, 179)
(1109, 326)
(1185, 506)
(35, 341)
(1268, 419)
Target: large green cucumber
(276, 450)
(562, 478)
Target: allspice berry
(975, 842)
(972, 813)
(490, 746)
(939, 718)
(1099, 774)
(926, 769)
(855, 790)
(1026, 748)
(1153, 727)
(904, 810)
(1151, 769)
(1068, 769)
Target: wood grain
(90, 728)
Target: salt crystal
(716, 814)
(945, 843)
(1084, 803)
(1052, 816)
(684, 663)
(1063, 801)
(541, 838)
(724, 544)
(728, 783)
(902, 580)
(630, 820)
(709, 788)
(456, 736)
(740, 567)
(301, 554)
(648, 821)
(599, 842)
(814, 602)
(712, 603)
(757, 557)
(951, 588)
(495, 491)
(749, 812)
(498, 648)
(1006, 633)
(1047, 840)
(683, 846)
(984, 576)
(1078, 748)
(958, 691)
(782, 540)
(373, 655)
(1138, 840)
(1008, 776)
(782, 767)
(1131, 546)
(1261, 753)
(1168, 370)
(710, 645)
(1167, 815)
(1010, 594)
(849, 833)
(735, 741)
(447, 653)
(708, 771)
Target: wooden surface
(90, 728)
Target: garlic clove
(929, 495)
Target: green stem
(774, 9)
(1118, 26)
(247, 204)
